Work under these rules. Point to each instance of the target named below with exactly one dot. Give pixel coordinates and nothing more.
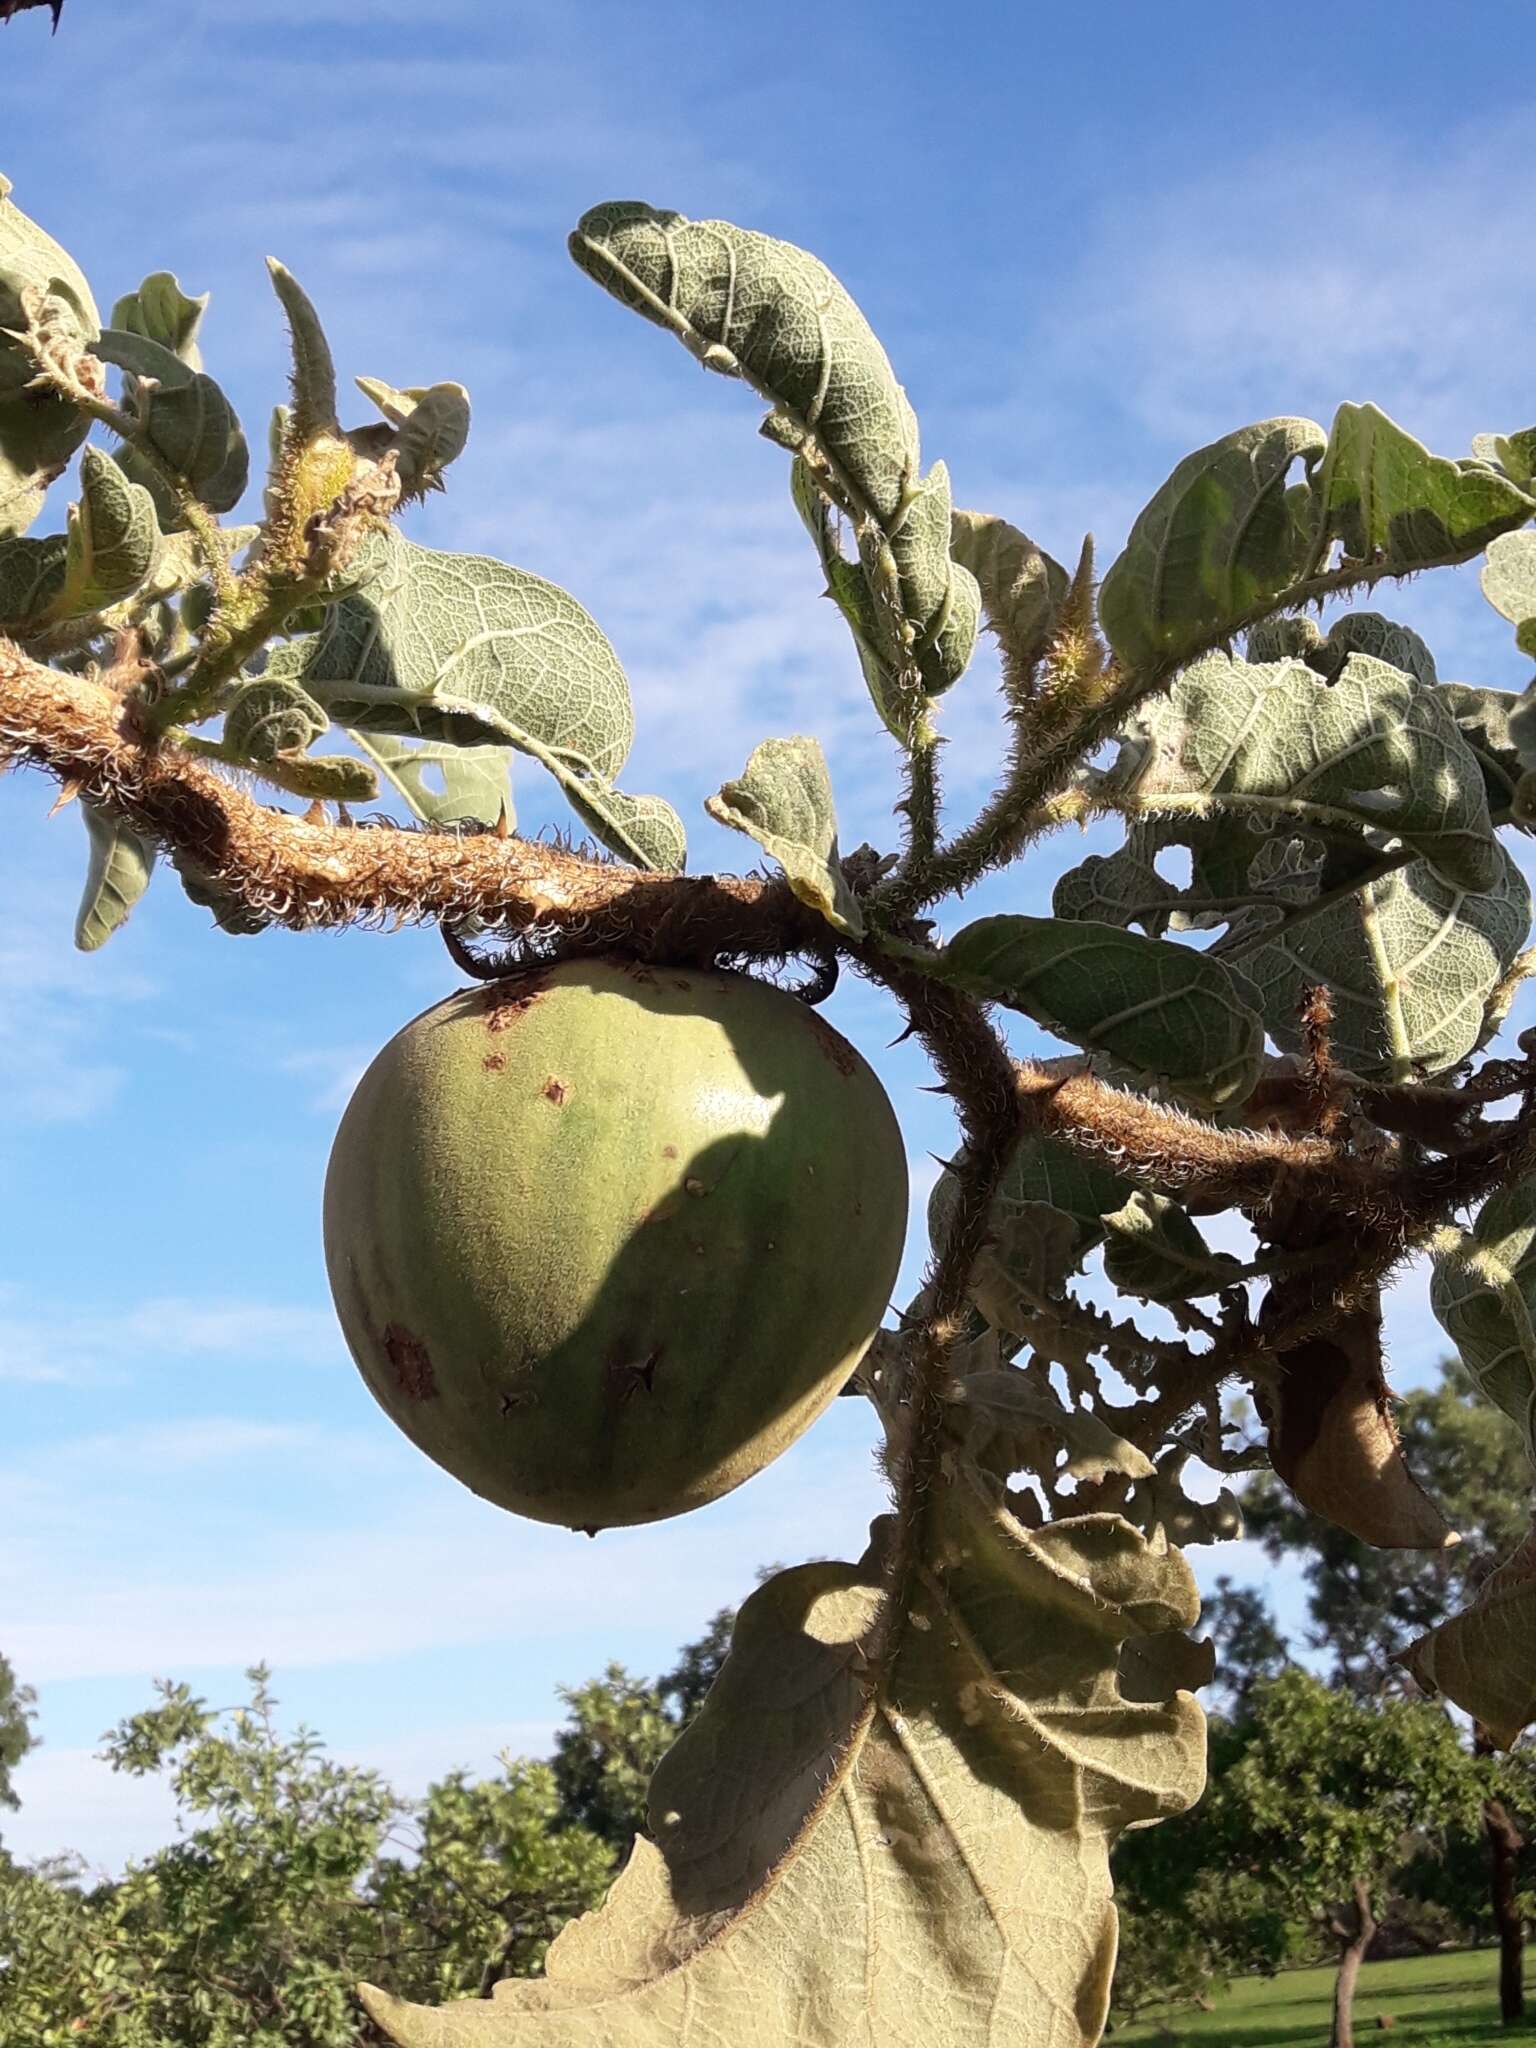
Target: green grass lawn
(1448, 2001)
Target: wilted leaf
(1171, 1013)
(1485, 1657)
(314, 373)
(1484, 1294)
(1275, 742)
(1332, 1440)
(783, 800)
(39, 431)
(1223, 535)
(914, 1859)
(1389, 500)
(114, 539)
(476, 784)
(161, 311)
(192, 425)
(120, 867)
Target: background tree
(17, 1729)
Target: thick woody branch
(307, 876)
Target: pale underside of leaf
(783, 800)
(39, 431)
(1484, 1295)
(918, 1861)
(1485, 1657)
(117, 876)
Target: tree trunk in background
(1504, 1845)
(1357, 1940)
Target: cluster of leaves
(1286, 1035)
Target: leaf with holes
(1009, 1420)
(476, 784)
(1275, 742)
(1411, 963)
(120, 867)
(1485, 1657)
(783, 800)
(1483, 1294)
(1388, 500)
(1225, 534)
(1155, 1250)
(39, 431)
(1172, 1014)
(949, 1809)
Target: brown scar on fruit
(669, 1151)
(411, 1361)
(629, 1376)
(555, 1091)
(505, 1001)
(495, 1062)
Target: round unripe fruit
(604, 1239)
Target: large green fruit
(605, 1239)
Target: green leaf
(119, 871)
(749, 306)
(269, 717)
(1041, 1173)
(332, 778)
(1500, 728)
(1371, 633)
(161, 311)
(1509, 584)
(1485, 1657)
(783, 800)
(31, 577)
(476, 783)
(1275, 742)
(643, 829)
(431, 428)
(39, 431)
(192, 425)
(844, 1857)
(1388, 500)
(1483, 1293)
(892, 693)
(1155, 1251)
(1021, 587)
(1174, 1015)
(314, 373)
(1411, 963)
(1223, 536)
(114, 539)
(469, 651)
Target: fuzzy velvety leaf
(466, 650)
(1042, 1173)
(269, 717)
(1509, 584)
(1275, 741)
(161, 311)
(31, 577)
(1333, 1442)
(430, 428)
(1222, 535)
(1369, 633)
(119, 871)
(1485, 1657)
(1389, 500)
(783, 800)
(114, 538)
(645, 830)
(314, 373)
(749, 306)
(892, 695)
(1411, 964)
(1500, 728)
(1021, 587)
(39, 431)
(476, 785)
(1167, 1011)
(1484, 1295)
(1155, 1250)
(192, 425)
(1011, 1421)
(911, 1858)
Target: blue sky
(1090, 239)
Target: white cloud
(77, 1347)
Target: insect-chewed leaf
(1485, 1657)
(192, 425)
(1411, 962)
(114, 538)
(31, 577)
(783, 800)
(915, 1857)
(1154, 1249)
(1332, 1440)
(1387, 499)
(1484, 1296)
(469, 652)
(1008, 1421)
(1370, 750)
(1223, 535)
(39, 431)
(476, 783)
(1169, 1012)
(753, 307)
(161, 311)
(120, 867)
(314, 373)
(1509, 584)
